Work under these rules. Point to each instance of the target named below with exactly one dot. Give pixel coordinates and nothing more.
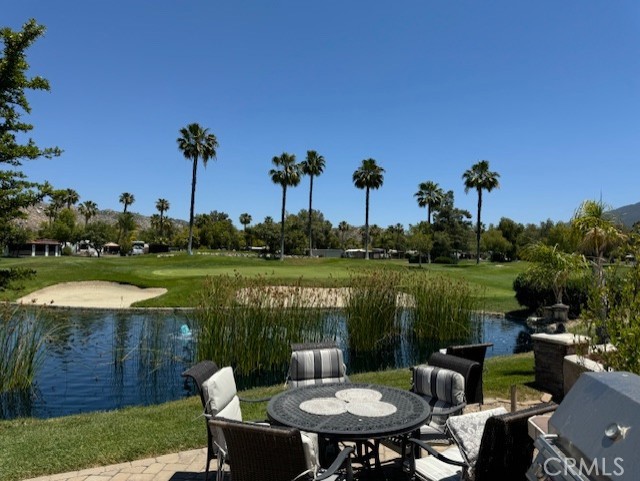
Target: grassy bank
(183, 275)
(34, 447)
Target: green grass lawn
(36, 447)
(182, 275)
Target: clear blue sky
(547, 91)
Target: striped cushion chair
(443, 389)
(321, 365)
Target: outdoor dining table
(359, 412)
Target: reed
(23, 333)
(441, 308)
(250, 325)
(372, 310)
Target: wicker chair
(199, 373)
(505, 449)
(317, 363)
(220, 399)
(473, 352)
(258, 452)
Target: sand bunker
(96, 294)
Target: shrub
(7, 276)
(67, 251)
(533, 295)
(445, 260)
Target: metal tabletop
(411, 412)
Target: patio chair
(274, 453)
(470, 370)
(473, 352)
(218, 393)
(490, 445)
(318, 363)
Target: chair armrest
(337, 463)
(452, 410)
(255, 400)
(435, 453)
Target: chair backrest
(199, 373)
(262, 452)
(442, 388)
(316, 366)
(473, 352)
(470, 370)
(506, 446)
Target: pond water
(103, 360)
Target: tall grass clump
(441, 309)
(250, 325)
(371, 310)
(23, 333)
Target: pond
(104, 360)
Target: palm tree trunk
(478, 227)
(193, 201)
(161, 222)
(366, 227)
(310, 200)
(284, 202)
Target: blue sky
(547, 91)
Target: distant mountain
(628, 214)
(36, 217)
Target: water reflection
(102, 360)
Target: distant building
(38, 247)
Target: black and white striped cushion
(442, 389)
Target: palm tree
(479, 177)
(287, 175)
(71, 197)
(245, 220)
(196, 143)
(343, 228)
(368, 176)
(88, 209)
(126, 199)
(599, 233)
(429, 195)
(162, 205)
(312, 166)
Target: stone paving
(189, 465)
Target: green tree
(368, 176)
(99, 233)
(480, 178)
(552, 266)
(71, 197)
(312, 166)
(599, 233)
(162, 205)
(493, 241)
(343, 229)
(196, 143)
(126, 199)
(16, 192)
(429, 195)
(420, 239)
(88, 209)
(287, 174)
(245, 220)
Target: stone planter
(549, 351)
(573, 365)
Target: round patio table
(411, 412)
(398, 414)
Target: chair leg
(220, 471)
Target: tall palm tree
(126, 199)
(429, 195)
(88, 209)
(162, 205)
(196, 143)
(368, 176)
(479, 177)
(312, 166)
(245, 220)
(287, 174)
(343, 228)
(71, 197)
